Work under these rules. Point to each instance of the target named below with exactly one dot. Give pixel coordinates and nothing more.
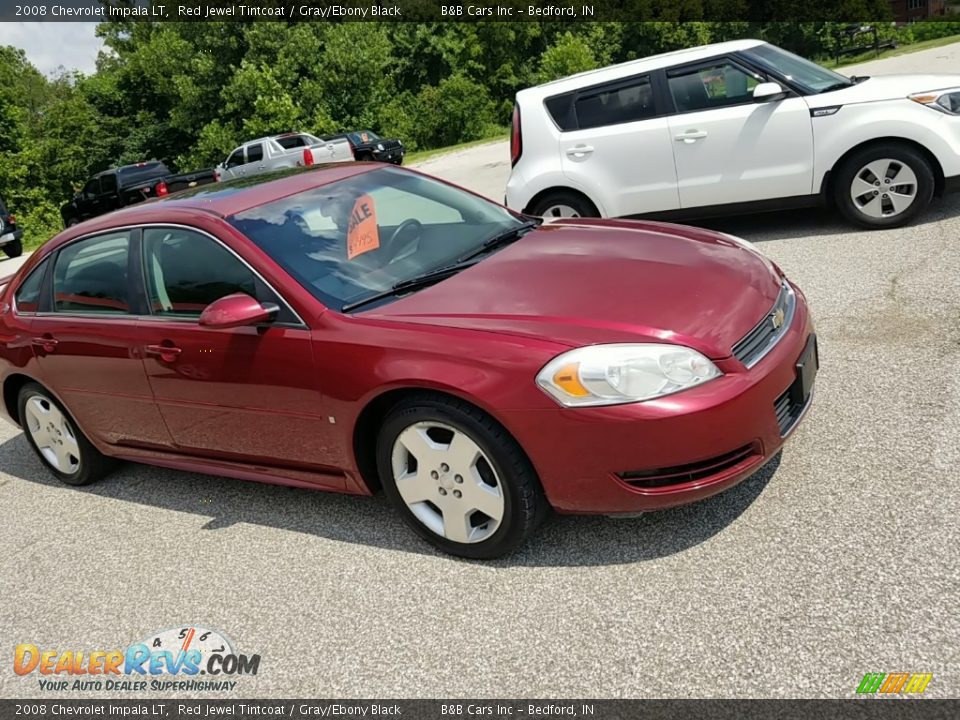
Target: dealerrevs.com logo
(171, 660)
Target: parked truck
(118, 187)
(288, 150)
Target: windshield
(358, 138)
(354, 238)
(807, 75)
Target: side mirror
(237, 310)
(768, 92)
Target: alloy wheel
(560, 211)
(884, 188)
(53, 435)
(447, 482)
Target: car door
(615, 145)
(729, 148)
(87, 340)
(109, 192)
(234, 164)
(88, 204)
(255, 163)
(247, 394)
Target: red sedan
(359, 327)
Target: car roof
(631, 67)
(223, 198)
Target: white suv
(735, 127)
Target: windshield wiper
(461, 263)
(501, 238)
(414, 283)
(838, 86)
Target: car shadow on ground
(562, 541)
(814, 222)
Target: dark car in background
(367, 145)
(10, 235)
(119, 187)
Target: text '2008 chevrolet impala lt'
(357, 327)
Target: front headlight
(380, 147)
(946, 101)
(623, 373)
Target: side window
(254, 153)
(108, 183)
(28, 294)
(186, 271)
(236, 158)
(92, 188)
(623, 103)
(560, 108)
(719, 85)
(90, 276)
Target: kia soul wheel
(458, 478)
(884, 187)
(56, 439)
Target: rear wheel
(458, 478)
(563, 204)
(13, 249)
(884, 186)
(57, 440)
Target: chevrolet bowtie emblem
(778, 317)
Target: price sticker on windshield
(363, 233)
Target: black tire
(525, 505)
(563, 198)
(906, 156)
(13, 249)
(73, 221)
(92, 464)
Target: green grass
(422, 155)
(893, 52)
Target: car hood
(884, 87)
(580, 282)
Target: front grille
(758, 342)
(789, 410)
(691, 472)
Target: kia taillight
(516, 143)
(162, 189)
(307, 157)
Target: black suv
(10, 234)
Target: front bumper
(682, 448)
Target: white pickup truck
(276, 152)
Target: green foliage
(568, 55)
(189, 93)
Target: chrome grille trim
(755, 345)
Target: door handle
(690, 136)
(579, 151)
(46, 343)
(167, 353)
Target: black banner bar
(867, 709)
(446, 11)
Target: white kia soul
(735, 127)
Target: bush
(935, 28)
(457, 110)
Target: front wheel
(57, 440)
(884, 186)
(458, 478)
(13, 249)
(563, 204)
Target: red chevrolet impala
(359, 327)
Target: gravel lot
(840, 561)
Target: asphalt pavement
(838, 561)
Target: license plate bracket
(807, 367)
